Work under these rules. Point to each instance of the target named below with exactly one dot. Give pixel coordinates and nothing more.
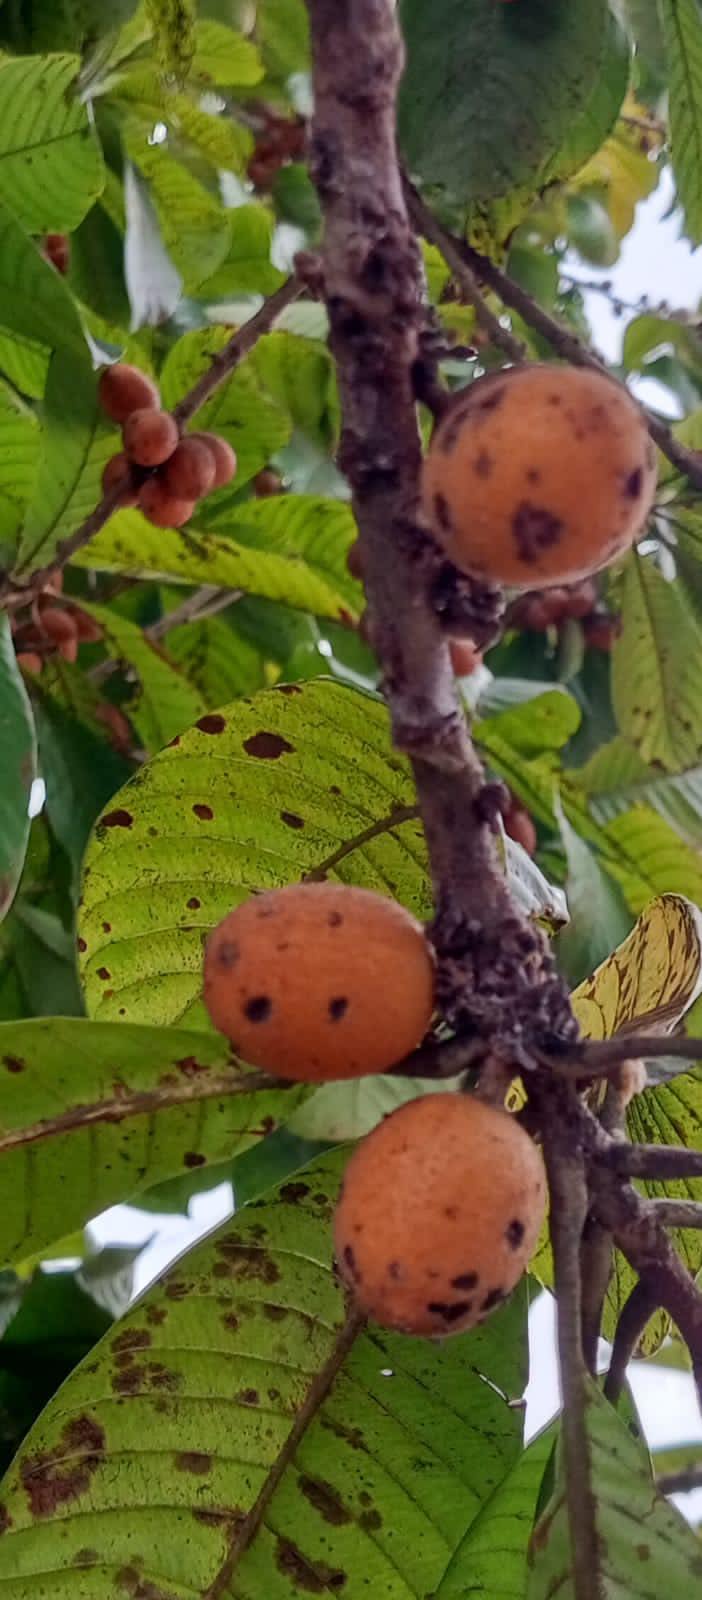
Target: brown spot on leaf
(370, 1521)
(231, 1321)
(132, 1339)
(211, 724)
(85, 1558)
(291, 1193)
(267, 746)
(325, 1500)
(291, 819)
(54, 1478)
(82, 946)
(205, 813)
(643, 1552)
(194, 1461)
(190, 1067)
(117, 819)
(192, 1159)
(14, 1063)
(273, 1312)
(156, 1315)
(312, 1577)
(245, 1261)
(104, 974)
(193, 903)
(249, 1397)
(176, 1289)
(288, 688)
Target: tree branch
(635, 1315)
(650, 1160)
(13, 592)
(680, 1482)
(599, 1058)
(468, 265)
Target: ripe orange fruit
(224, 457)
(520, 827)
(161, 508)
(190, 472)
(150, 437)
(123, 389)
(539, 475)
(440, 1210)
(465, 657)
(319, 981)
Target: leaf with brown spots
(657, 668)
(235, 1450)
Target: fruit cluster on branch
(159, 470)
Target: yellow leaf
(650, 980)
(624, 171)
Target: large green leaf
(645, 856)
(257, 794)
(657, 669)
(643, 1548)
(490, 91)
(599, 113)
(73, 442)
(238, 1434)
(18, 745)
(218, 660)
(51, 168)
(34, 302)
(85, 1118)
(19, 444)
(163, 702)
(682, 37)
(616, 779)
(132, 546)
(195, 227)
(491, 1561)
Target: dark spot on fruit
(533, 475)
(338, 1008)
(54, 1478)
(82, 946)
(534, 529)
(259, 1008)
(451, 1213)
(554, 399)
(227, 954)
(482, 466)
(267, 746)
(194, 1461)
(394, 1270)
(442, 513)
(335, 919)
(194, 903)
(466, 1280)
(192, 1159)
(351, 1263)
(292, 1193)
(14, 1063)
(370, 1521)
(314, 1577)
(211, 724)
(514, 1233)
(494, 1298)
(450, 1313)
(325, 1500)
(291, 819)
(634, 484)
(249, 1397)
(205, 813)
(117, 819)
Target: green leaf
(86, 1120)
(643, 1546)
(220, 139)
(238, 1395)
(299, 374)
(74, 445)
(196, 229)
(545, 722)
(19, 755)
(34, 301)
(241, 410)
(216, 659)
(682, 37)
(616, 779)
(255, 795)
(80, 772)
(223, 58)
(283, 30)
(51, 168)
(491, 1561)
(19, 445)
(657, 669)
(645, 856)
(599, 919)
(132, 546)
(247, 268)
(163, 702)
(490, 91)
(599, 113)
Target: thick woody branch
(471, 269)
(651, 1160)
(495, 974)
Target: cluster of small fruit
(54, 626)
(322, 982)
(542, 609)
(160, 471)
(282, 140)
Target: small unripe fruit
(223, 455)
(439, 1214)
(539, 475)
(582, 600)
(465, 657)
(267, 482)
(58, 625)
(319, 981)
(30, 662)
(87, 629)
(520, 827)
(190, 472)
(161, 508)
(601, 632)
(123, 389)
(150, 437)
(116, 724)
(117, 469)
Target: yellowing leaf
(649, 982)
(624, 170)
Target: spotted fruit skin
(539, 475)
(320, 981)
(439, 1214)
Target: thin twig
(682, 1482)
(562, 340)
(635, 1315)
(501, 337)
(598, 1058)
(596, 1253)
(651, 1160)
(678, 1213)
(198, 607)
